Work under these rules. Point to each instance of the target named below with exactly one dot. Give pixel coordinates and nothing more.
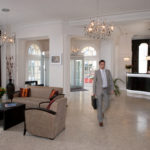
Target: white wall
(106, 53)
(124, 49)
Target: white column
(20, 63)
(106, 53)
(3, 66)
(56, 70)
(66, 58)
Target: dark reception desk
(138, 84)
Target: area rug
(78, 89)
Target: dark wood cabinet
(138, 82)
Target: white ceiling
(35, 11)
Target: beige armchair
(46, 123)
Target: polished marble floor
(126, 127)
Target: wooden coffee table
(11, 115)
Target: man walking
(102, 88)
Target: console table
(138, 84)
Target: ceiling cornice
(116, 18)
(29, 25)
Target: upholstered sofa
(39, 120)
(38, 94)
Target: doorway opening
(76, 73)
(82, 68)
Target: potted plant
(128, 67)
(2, 92)
(116, 87)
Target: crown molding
(28, 25)
(136, 16)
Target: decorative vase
(10, 90)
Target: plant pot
(10, 89)
(128, 70)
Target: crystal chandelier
(6, 39)
(98, 30)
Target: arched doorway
(82, 67)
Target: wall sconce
(74, 51)
(126, 58)
(147, 57)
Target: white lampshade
(147, 57)
(126, 58)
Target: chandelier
(75, 51)
(98, 30)
(6, 39)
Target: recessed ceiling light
(5, 9)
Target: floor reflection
(142, 123)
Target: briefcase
(93, 101)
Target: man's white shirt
(104, 78)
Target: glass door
(79, 73)
(76, 73)
(72, 75)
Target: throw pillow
(52, 97)
(24, 92)
(50, 103)
(53, 94)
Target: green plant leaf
(116, 87)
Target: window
(34, 63)
(143, 52)
(88, 51)
(34, 50)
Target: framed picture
(56, 59)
